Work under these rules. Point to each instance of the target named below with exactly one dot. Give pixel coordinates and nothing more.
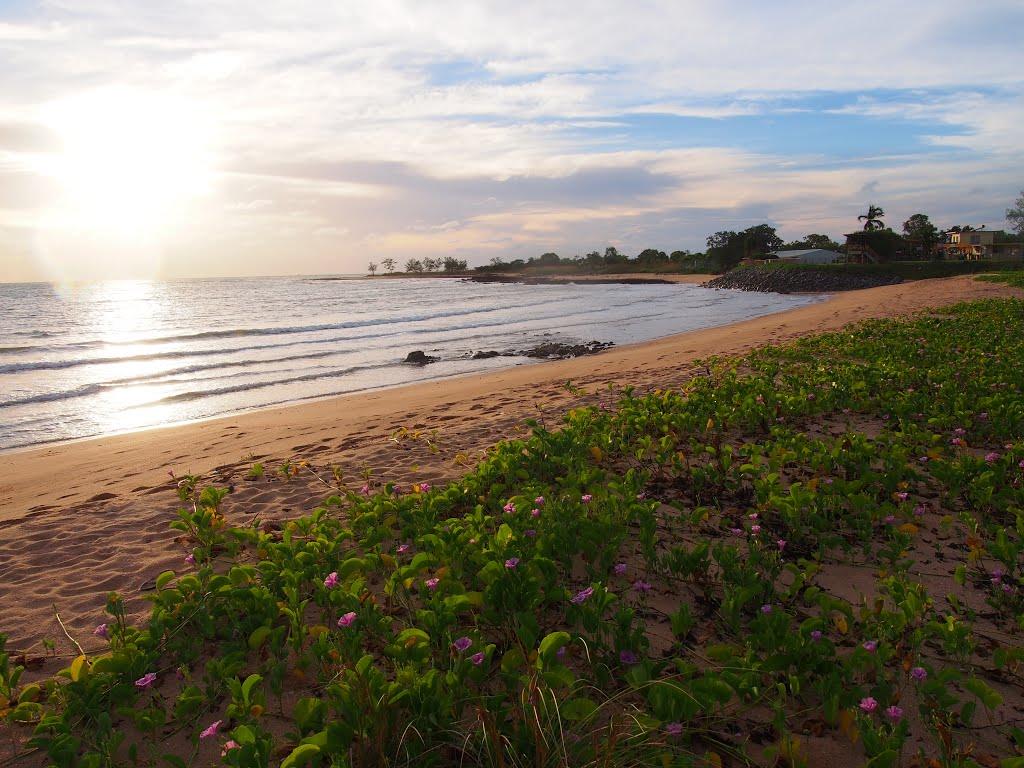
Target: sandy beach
(81, 519)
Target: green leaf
(504, 535)
(300, 755)
(551, 643)
(258, 637)
(164, 579)
(250, 682)
(987, 696)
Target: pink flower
(619, 569)
(868, 705)
(347, 620)
(890, 519)
(752, 515)
(960, 431)
(146, 680)
(432, 583)
(902, 495)
(1021, 464)
(477, 658)
(628, 657)
(641, 496)
(736, 531)
(919, 673)
(641, 586)
(586, 498)
(332, 580)
(101, 631)
(512, 562)
(674, 729)
(402, 549)
(365, 490)
(211, 730)
(992, 457)
(894, 713)
(997, 576)
(529, 533)
(539, 501)
(870, 646)
(535, 512)
(816, 635)
(509, 508)
(811, 396)
(581, 597)
(228, 746)
(766, 609)
(755, 529)
(462, 644)
(424, 487)
(782, 544)
(920, 509)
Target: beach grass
(817, 543)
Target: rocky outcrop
(776, 279)
(553, 350)
(419, 357)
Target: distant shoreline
(656, 278)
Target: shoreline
(20, 480)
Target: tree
(372, 268)
(924, 235)
(651, 256)
(759, 240)
(546, 260)
(431, 265)
(873, 218)
(389, 265)
(812, 241)
(451, 264)
(1015, 216)
(414, 265)
(612, 256)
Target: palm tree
(389, 265)
(873, 218)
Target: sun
(130, 160)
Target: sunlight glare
(130, 159)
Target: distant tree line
(919, 239)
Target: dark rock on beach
(776, 279)
(486, 355)
(554, 350)
(419, 357)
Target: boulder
(419, 357)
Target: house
(980, 244)
(807, 256)
(871, 246)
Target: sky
(221, 138)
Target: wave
(50, 365)
(198, 394)
(49, 397)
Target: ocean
(108, 357)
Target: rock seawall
(773, 279)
